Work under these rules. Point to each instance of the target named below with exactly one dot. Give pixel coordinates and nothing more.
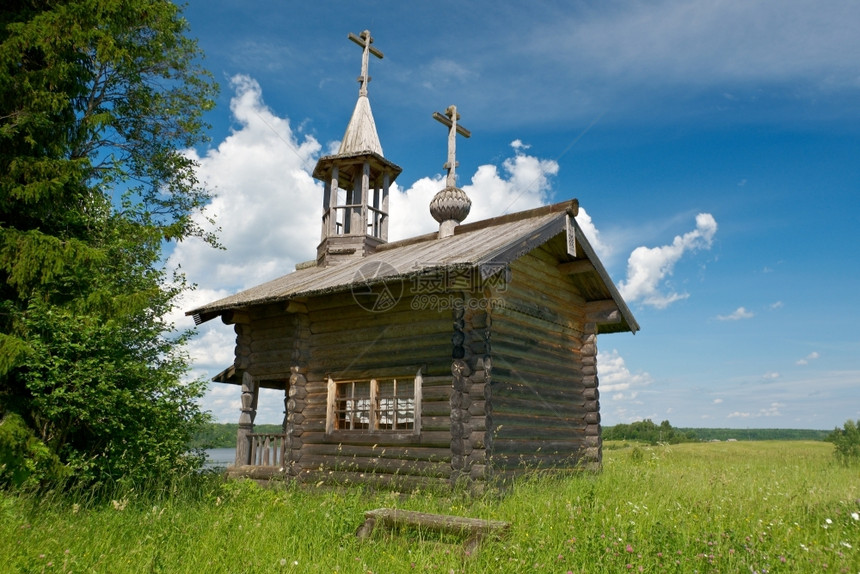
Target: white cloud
(648, 267)
(615, 376)
(776, 305)
(773, 410)
(770, 376)
(810, 357)
(591, 232)
(266, 203)
(524, 182)
(718, 401)
(737, 314)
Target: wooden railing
(267, 449)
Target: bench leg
(471, 545)
(365, 529)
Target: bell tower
(357, 179)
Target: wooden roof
(483, 245)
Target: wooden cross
(450, 119)
(364, 40)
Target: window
(376, 405)
(352, 405)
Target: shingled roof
(482, 245)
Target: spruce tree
(97, 100)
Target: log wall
(348, 342)
(540, 393)
(509, 378)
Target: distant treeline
(649, 432)
(759, 434)
(223, 435)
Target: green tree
(847, 442)
(97, 100)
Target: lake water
(220, 457)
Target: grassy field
(706, 507)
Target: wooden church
(465, 354)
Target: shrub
(847, 442)
(25, 461)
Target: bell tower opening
(357, 180)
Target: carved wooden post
(295, 417)
(470, 374)
(460, 372)
(478, 444)
(250, 391)
(593, 447)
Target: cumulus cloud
(523, 182)
(603, 250)
(810, 357)
(773, 410)
(615, 376)
(770, 376)
(266, 203)
(736, 315)
(648, 267)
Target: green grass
(712, 507)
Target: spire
(357, 180)
(361, 133)
(451, 205)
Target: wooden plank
(526, 446)
(426, 438)
(569, 423)
(438, 469)
(399, 481)
(536, 405)
(475, 529)
(401, 328)
(407, 452)
(436, 522)
(526, 461)
(576, 267)
(514, 377)
(505, 431)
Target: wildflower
(846, 545)
(629, 548)
(283, 561)
(855, 516)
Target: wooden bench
(475, 528)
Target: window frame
(336, 413)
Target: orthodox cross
(450, 119)
(364, 40)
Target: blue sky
(713, 146)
